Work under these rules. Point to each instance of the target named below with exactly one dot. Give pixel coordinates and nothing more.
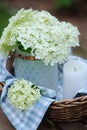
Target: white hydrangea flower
(22, 94)
(48, 38)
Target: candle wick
(75, 69)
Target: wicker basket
(68, 110)
(64, 110)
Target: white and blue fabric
(27, 119)
(31, 118)
(3, 71)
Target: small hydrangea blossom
(23, 94)
(48, 38)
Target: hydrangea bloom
(22, 94)
(46, 37)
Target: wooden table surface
(6, 125)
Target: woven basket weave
(68, 110)
(64, 110)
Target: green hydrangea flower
(43, 34)
(23, 94)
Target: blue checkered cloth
(28, 119)
(3, 70)
(31, 118)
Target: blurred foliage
(65, 3)
(5, 14)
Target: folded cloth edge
(38, 110)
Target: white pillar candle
(74, 77)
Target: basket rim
(66, 110)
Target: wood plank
(6, 125)
(4, 122)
